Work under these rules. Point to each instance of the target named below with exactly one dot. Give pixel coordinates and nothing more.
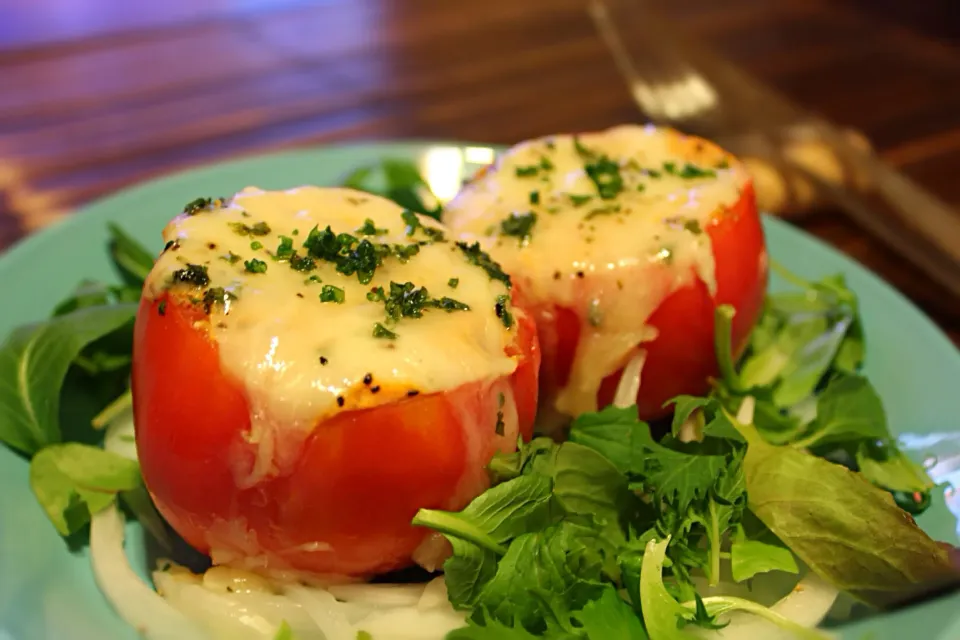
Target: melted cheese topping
(606, 224)
(301, 359)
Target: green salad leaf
(73, 481)
(664, 616)
(846, 529)
(400, 181)
(133, 260)
(33, 364)
(749, 558)
(887, 467)
(610, 618)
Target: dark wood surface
(99, 94)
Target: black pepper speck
(375, 389)
(340, 401)
(367, 379)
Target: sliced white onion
(807, 605)
(408, 623)
(325, 611)
(629, 385)
(119, 437)
(131, 598)
(434, 595)
(379, 595)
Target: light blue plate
(48, 592)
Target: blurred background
(98, 94)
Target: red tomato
(681, 358)
(361, 475)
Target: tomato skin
(681, 358)
(345, 505)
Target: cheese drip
(301, 342)
(605, 224)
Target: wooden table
(99, 94)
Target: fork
(678, 83)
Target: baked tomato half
(311, 367)
(627, 241)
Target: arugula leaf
(74, 481)
(662, 614)
(891, 469)
(467, 572)
(618, 435)
(130, 256)
(684, 407)
(751, 557)
(400, 181)
(610, 618)
(497, 515)
(33, 363)
(849, 409)
(863, 544)
(544, 577)
(682, 478)
(486, 628)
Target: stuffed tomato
(313, 366)
(625, 242)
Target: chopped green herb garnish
(527, 171)
(688, 171)
(362, 260)
(296, 232)
(162, 308)
(303, 264)
(723, 164)
(577, 199)
(196, 206)
(404, 301)
(313, 280)
(534, 197)
(453, 282)
(693, 226)
(216, 295)
(405, 252)
(195, 274)
(449, 304)
(602, 211)
(258, 229)
(413, 225)
(370, 229)
(351, 257)
(545, 163)
(502, 309)
(255, 266)
(476, 255)
(380, 331)
(285, 249)
(330, 293)
(653, 173)
(641, 187)
(582, 151)
(231, 257)
(605, 174)
(519, 226)
(256, 245)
